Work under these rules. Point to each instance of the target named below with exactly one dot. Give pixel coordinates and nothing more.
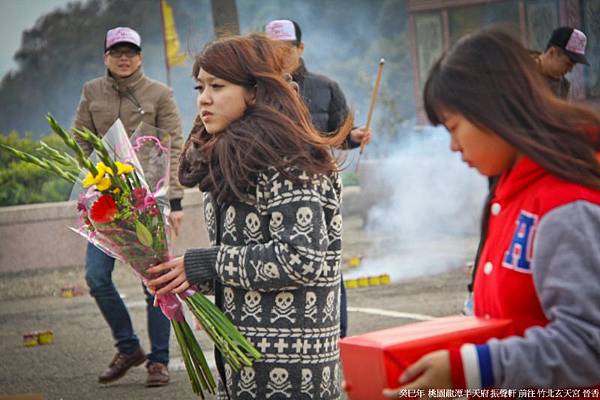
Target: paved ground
(68, 368)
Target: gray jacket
(276, 270)
(133, 99)
(566, 272)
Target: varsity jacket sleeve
(168, 119)
(566, 352)
(294, 256)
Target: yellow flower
(103, 169)
(99, 179)
(89, 180)
(116, 190)
(104, 184)
(123, 168)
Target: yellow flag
(174, 56)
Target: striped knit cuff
(477, 366)
(200, 264)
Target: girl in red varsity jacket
(540, 263)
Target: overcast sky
(15, 17)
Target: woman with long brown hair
(272, 207)
(540, 262)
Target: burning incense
(372, 106)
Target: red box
(376, 360)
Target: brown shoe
(121, 364)
(158, 374)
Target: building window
(542, 19)
(430, 43)
(591, 27)
(464, 20)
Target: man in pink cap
(125, 92)
(565, 48)
(324, 97)
(326, 103)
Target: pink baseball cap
(122, 35)
(572, 42)
(281, 29)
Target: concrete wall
(38, 236)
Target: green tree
(344, 40)
(225, 17)
(65, 48)
(24, 183)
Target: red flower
(104, 209)
(139, 194)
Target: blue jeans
(98, 275)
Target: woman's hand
(171, 281)
(432, 371)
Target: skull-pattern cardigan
(276, 269)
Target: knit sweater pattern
(277, 266)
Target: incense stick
(372, 106)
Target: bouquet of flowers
(124, 212)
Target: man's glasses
(118, 53)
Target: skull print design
(276, 224)
(311, 306)
(252, 231)
(279, 383)
(230, 223)
(284, 307)
(303, 226)
(307, 385)
(329, 309)
(251, 307)
(247, 382)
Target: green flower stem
(97, 144)
(136, 179)
(220, 342)
(57, 156)
(227, 329)
(189, 367)
(227, 324)
(229, 334)
(207, 377)
(84, 162)
(48, 166)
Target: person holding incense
(325, 100)
(540, 262)
(272, 207)
(323, 96)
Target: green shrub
(24, 183)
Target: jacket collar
(523, 174)
(126, 83)
(298, 74)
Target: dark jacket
(325, 101)
(560, 87)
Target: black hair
(298, 33)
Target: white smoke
(425, 208)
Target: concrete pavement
(68, 368)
